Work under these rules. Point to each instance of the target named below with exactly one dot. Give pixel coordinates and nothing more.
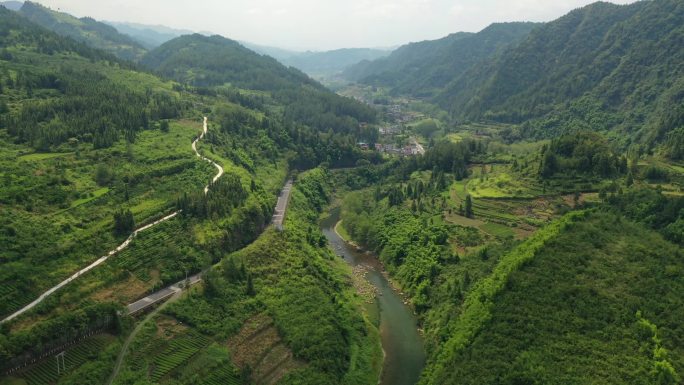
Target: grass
(497, 230)
(92, 196)
(38, 156)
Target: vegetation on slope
(592, 293)
(422, 69)
(603, 67)
(203, 61)
(292, 278)
(85, 30)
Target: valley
(500, 206)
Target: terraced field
(177, 353)
(259, 346)
(45, 372)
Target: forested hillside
(592, 292)
(47, 103)
(603, 67)
(511, 290)
(422, 69)
(204, 61)
(85, 30)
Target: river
(401, 341)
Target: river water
(403, 345)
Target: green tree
(468, 206)
(124, 223)
(103, 175)
(164, 126)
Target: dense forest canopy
(603, 67)
(77, 102)
(205, 61)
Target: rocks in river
(365, 289)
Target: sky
(323, 24)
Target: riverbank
(402, 344)
(344, 235)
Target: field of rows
(11, 299)
(146, 249)
(178, 352)
(224, 376)
(45, 372)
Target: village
(395, 131)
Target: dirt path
(134, 333)
(125, 243)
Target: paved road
(161, 295)
(194, 148)
(122, 246)
(281, 206)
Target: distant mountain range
(320, 63)
(150, 36)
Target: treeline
(270, 137)
(223, 197)
(585, 153)
(450, 157)
(654, 209)
(410, 247)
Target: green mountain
(602, 67)
(209, 61)
(86, 30)
(214, 60)
(422, 69)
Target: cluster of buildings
(390, 130)
(391, 149)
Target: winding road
(125, 243)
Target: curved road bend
(125, 243)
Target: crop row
(45, 372)
(225, 376)
(178, 352)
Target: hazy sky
(323, 24)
